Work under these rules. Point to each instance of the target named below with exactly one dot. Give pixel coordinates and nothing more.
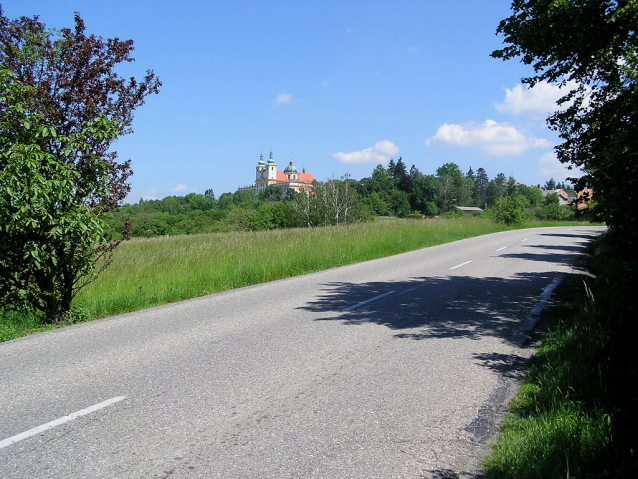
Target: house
(267, 174)
(468, 210)
(563, 197)
(583, 198)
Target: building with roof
(267, 174)
(468, 210)
(584, 198)
(563, 197)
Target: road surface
(386, 369)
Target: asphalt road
(392, 368)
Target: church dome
(290, 168)
(270, 160)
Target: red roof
(306, 177)
(303, 177)
(588, 193)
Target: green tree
(590, 48)
(334, 202)
(455, 187)
(63, 106)
(72, 81)
(380, 181)
(377, 205)
(482, 182)
(271, 193)
(425, 194)
(510, 210)
(496, 188)
(534, 195)
(51, 233)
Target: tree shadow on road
(436, 307)
(452, 306)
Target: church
(267, 174)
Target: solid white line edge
(50, 425)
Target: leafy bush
(509, 210)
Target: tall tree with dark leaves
(482, 182)
(72, 80)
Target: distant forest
(388, 191)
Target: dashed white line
(355, 306)
(501, 249)
(50, 425)
(459, 265)
(522, 241)
(412, 289)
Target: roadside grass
(574, 415)
(155, 271)
(15, 324)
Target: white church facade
(267, 174)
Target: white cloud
(381, 152)
(179, 188)
(284, 98)
(493, 138)
(537, 102)
(150, 194)
(551, 167)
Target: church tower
(291, 172)
(261, 174)
(272, 170)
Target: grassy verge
(154, 271)
(575, 414)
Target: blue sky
(338, 85)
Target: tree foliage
(510, 210)
(73, 81)
(590, 48)
(51, 235)
(334, 202)
(62, 106)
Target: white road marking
(50, 425)
(459, 265)
(524, 240)
(412, 289)
(501, 249)
(355, 306)
(522, 334)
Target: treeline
(388, 191)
